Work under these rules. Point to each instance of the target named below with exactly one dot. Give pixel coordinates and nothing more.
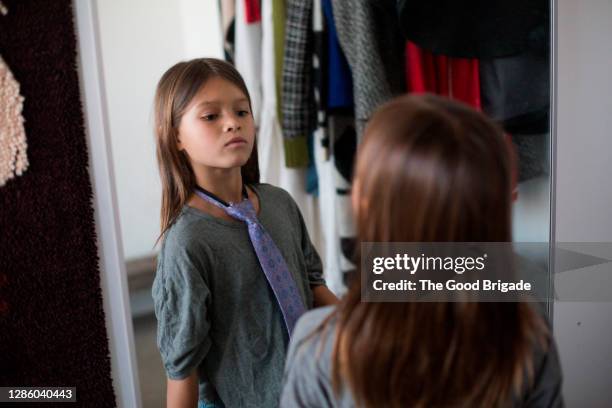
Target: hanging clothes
(516, 89)
(299, 117)
(332, 153)
(472, 28)
(339, 80)
(13, 145)
(456, 78)
(516, 92)
(532, 155)
(372, 42)
(270, 138)
(513, 48)
(252, 11)
(343, 135)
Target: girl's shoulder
(314, 333)
(190, 244)
(188, 230)
(308, 325)
(270, 191)
(275, 198)
(313, 336)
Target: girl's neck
(224, 183)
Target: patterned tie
(270, 258)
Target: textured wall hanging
(13, 157)
(52, 323)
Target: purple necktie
(270, 258)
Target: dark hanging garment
(516, 92)
(339, 80)
(516, 89)
(472, 28)
(532, 155)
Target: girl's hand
(323, 296)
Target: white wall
(140, 39)
(583, 196)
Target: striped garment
(298, 110)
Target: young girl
(428, 170)
(236, 266)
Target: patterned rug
(52, 327)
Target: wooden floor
(150, 370)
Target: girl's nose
(231, 125)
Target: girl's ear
(179, 145)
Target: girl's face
(217, 129)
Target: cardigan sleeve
(296, 96)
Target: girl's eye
(243, 113)
(209, 117)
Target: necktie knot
(243, 211)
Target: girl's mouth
(236, 141)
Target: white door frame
(113, 278)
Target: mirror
(139, 40)
(509, 80)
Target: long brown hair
(175, 90)
(432, 170)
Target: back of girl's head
(432, 170)
(175, 90)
